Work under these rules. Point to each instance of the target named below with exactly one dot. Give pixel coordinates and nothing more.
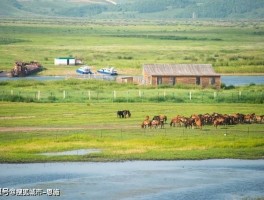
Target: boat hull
(83, 72)
(108, 73)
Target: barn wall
(64, 61)
(204, 81)
(71, 61)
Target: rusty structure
(25, 68)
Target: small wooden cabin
(65, 61)
(172, 74)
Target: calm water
(228, 80)
(242, 80)
(207, 179)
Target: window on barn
(159, 80)
(198, 80)
(172, 80)
(212, 81)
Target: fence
(144, 95)
(226, 133)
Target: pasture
(231, 47)
(31, 128)
(63, 117)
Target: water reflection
(78, 152)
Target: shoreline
(136, 160)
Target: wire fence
(176, 133)
(144, 95)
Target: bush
(225, 87)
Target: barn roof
(179, 69)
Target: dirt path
(92, 127)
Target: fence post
(38, 95)
(89, 95)
(64, 94)
(114, 95)
(190, 95)
(164, 94)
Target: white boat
(84, 70)
(108, 70)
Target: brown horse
(198, 122)
(178, 120)
(146, 123)
(154, 123)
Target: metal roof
(179, 69)
(65, 58)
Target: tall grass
(74, 90)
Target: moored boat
(108, 70)
(84, 70)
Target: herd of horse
(215, 119)
(198, 121)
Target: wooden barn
(172, 74)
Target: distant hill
(135, 9)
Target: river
(228, 80)
(145, 180)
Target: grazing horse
(178, 120)
(157, 121)
(189, 122)
(120, 114)
(146, 123)
(198, 122)
(163, 118)
(154, 123)
(218, 121)
(127, 113)
(123, 113)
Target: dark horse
(123, 113)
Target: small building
(172, 74)
(125, 79)
(65, 61)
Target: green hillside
(130, 9)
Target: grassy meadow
(52, 116)
(230, 46)
(28, 129)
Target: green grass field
(51, 121)
(232, 47)
(31, 128)
(95, 91)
